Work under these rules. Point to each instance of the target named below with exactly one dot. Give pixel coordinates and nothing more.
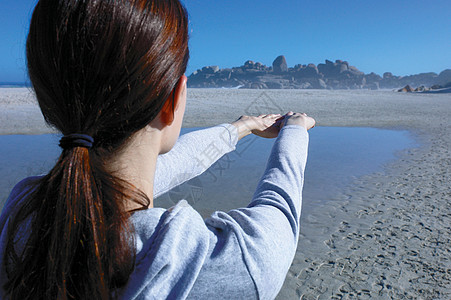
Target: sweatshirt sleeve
(192, 154)
(267, 230)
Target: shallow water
(336, 155)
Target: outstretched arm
(195, 152)
(192, 154)
(266, 232)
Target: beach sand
(385, 236)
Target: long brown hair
(103, 68)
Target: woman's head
(105, 68)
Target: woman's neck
(136, 163)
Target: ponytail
(75, 250)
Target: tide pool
(336, 155)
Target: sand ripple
(389, 239)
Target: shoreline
(20, 114)
(387, 234)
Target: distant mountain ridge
(329, 75)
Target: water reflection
(335, 156)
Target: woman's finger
(272, 115)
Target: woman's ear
(177, 95)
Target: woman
(110, 76)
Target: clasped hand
(268, 126)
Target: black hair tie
(76, 140)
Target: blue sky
(403, 37)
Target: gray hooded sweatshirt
(242, 254)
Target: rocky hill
(329, 75)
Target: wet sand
(388, 235)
